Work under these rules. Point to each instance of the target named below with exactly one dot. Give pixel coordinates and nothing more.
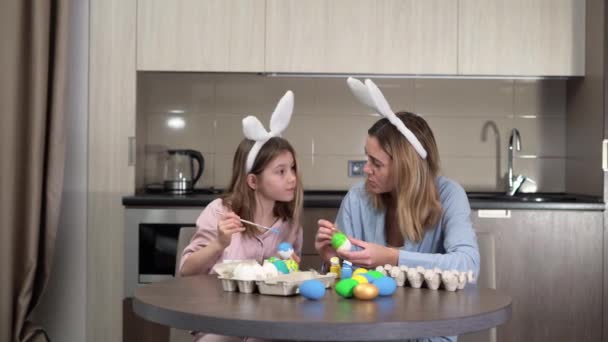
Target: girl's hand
(228, 225)
(296, 258)
(371, 255)
(323, 240)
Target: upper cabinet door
(200, 35)
(521, 37)
(417, 37)
(361, 36)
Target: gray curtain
(33, 50)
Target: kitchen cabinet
(428, 37)
(200, 35)
(550, 262)
(521, 37)
(360, 36)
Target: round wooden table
(199, 303)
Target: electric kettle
(179, 171)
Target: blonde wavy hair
(415, 198)
(240, 198)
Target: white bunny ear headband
(254, 130)
(370, 95)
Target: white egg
(270, 270)
(346, 246)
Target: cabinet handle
(131, 152)
(605, 154)
(494, 213)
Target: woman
(404, 213)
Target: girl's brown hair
(415, 198)
(240, 198)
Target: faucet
(513, 183)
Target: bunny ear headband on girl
(254, 130)
(369, 94)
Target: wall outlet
(355, 168)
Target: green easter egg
(273, 259)
(375, 274)
(338, 239)
(345, 287)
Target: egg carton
(416, 277)
(237, 285)
(226, 269)
(282, 285)
(288, 284)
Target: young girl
(269, 195)
(265, 188)
(405, 213)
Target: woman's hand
(371, 255)
(323, 240)
(228, 225)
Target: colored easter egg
(312, 289)
(365, 291)
(340, 242)
(281, 266)
(292, 265)
(284, 246)
(360, 270)
(345, 287)
(338, 239)
(375, 274)
(272, 259)
(285, 250)
(369, 278)
(360, 279)
(386, 286)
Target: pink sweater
(241, 247)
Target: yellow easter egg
(360, 279)
(365, 291)
(359, 271)
(292, 266)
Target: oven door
(157, 251)
(151, 237)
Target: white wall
(62, 310)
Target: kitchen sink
(522, 197)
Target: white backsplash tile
(474, 174)
(542, 136)
(229, 132)
(243, 95)
(222, 169)
(471, 120)
(450, 97)
(340, 135)
(164, 92)
(197, 134)
(331, 173)
(469, 136)
(540, 98)
(549, 173)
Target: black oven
(151, 237)
(158, 250)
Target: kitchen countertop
(332, 199)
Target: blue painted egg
(386, 286)
(312, 289)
